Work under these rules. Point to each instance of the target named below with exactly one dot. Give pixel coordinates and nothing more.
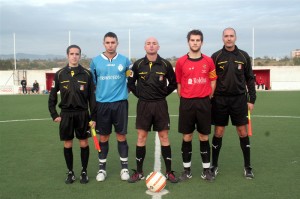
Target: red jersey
(260, 81)
(195, 76)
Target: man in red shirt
(261, 83)
(196, 82)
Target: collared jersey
(152, 80)
(76, 88)
(110, 77)
(234, 72)
(195, 76)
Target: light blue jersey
(110, 77)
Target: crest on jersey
(161, 78)
(204, 68)
(239, 66)
(120, 67)
(82, 87)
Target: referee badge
(161, 78)
(240, 66)
(82, 87)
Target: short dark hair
(194, 32)
(73, 46)
(110, 34)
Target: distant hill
(32, 56)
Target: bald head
(229, 29)
(229, 38)
(151, 46)
(151, 40)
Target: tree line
(27, 64)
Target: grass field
(32, 164)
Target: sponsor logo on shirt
(195, 80)
(109, 77)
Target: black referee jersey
(76, 88)
(155, 80)
(235, 75)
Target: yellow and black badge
(129, 73)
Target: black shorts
(152, 113)
(112, 113)
(195, 113)
(234, 106)
(74, 122)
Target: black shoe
(70, 178)
(84, 178)
(248, 173)
(207, 175)
(214, 170)
(185, 175)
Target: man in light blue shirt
(109, 75)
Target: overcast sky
(42, 26)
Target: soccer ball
(156, 181)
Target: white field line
(157, 152)
(25, 120)
(157, 167)
(133, 116)
(267, 116)
(277, 116)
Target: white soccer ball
(156, 181)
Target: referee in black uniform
(152, 80)
(234, 95)
(76, 88)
